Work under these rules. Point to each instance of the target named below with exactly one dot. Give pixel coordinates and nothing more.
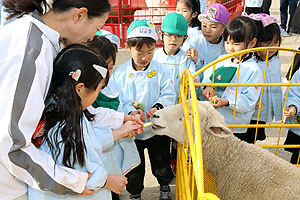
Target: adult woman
(28, 48)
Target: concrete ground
(151, 190)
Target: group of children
(92, 114)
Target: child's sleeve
(247, 97)
(294, 92)
(167, 91)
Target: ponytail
(20, 7)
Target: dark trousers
(266, 6)
(249, 136)
(253, 10)
(160, 159)
(293, 138)
(284, 6)
(295, 26)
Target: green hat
(174, 23)
(223, 75)
(142, 28)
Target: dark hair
(241, 29)
(268, 33)
(138, 42)
(194, 5)
(102, 46)
(96, 8)
(63, 105)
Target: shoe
(164, 192)
(284, 33)
(135, 197)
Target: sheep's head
(170, 121)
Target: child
(148, 82)
(109, 97)
(174, 33)
(293, 117)
(190, 9)
(240, 34)
(115, 40)
(271, 106)
(210, 45)
(78, 76)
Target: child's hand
(133, 118)
(116, 183)
(139, 114)
(196, 80)
(207, 92)
(86, 191)
(192, 54)
(129, 129)
(151, 111)
(219, 102)
(290, 112)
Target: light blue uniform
(175, 65)
(149, 87)
(123, 155)
(192, 33)
(93, 140)
(294, 99)
(272, 104)
(247, 97)
(207, 52)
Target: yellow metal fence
(192, 181)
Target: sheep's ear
(222, 131)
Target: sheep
(240, 170)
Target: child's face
(172, 42)
(212, 31)
(231, 46)
(263, 54)
(88, 96)
(183, 9)
(110, 64)
(142, 57)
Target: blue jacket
(154, 85)
(93, 164)
(246, 96)
(272, 104)
(294, 99)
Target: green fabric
(106, 102)
(223, 75)
(174, 23)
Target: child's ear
(195, 14)
(79, 88)
(80, 14)
(126, 46)
(160, 34)
(252, 43)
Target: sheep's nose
(155, 116)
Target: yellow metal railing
(192, 180)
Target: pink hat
(215, 13)
(264, 18)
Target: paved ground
(151, 187)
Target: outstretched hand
(87, 191)
(151, 111)
(208, 93)
(290, 111)
(192, 54)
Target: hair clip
(75, 75)
(101, 70)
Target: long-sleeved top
(207, 52)
(123, 156)
(175, 65)
(247, 97)
(93, 139)
(192, 33)
(28, 48)
(294, 99)
(151, 86)
(272, 104)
